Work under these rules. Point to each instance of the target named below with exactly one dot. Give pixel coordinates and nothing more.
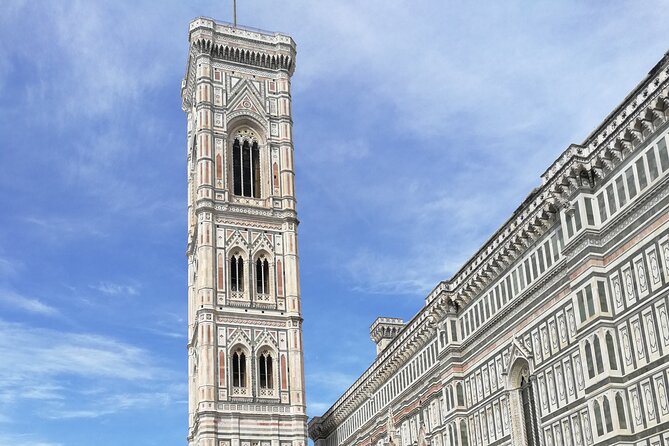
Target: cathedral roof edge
(224, 28)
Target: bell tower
(245, 368)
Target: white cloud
(24, 440)
(79, 375)
(167, 324)
(58, 229)
(481, 113)
(115, 289)
(12, 299)
(110, 405)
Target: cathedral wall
(574, 320)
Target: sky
(419, 127)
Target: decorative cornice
(247, 48)
(599, 155)
(240, 45)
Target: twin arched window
(608, 421)
(262, 276)
(238, 368)
(236, 273)
(240, 379)
(592, 371)
(246, 168)
(265, 370)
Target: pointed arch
(460, 394)
(263, 270)
(588, 360)
(620, 409)
(266, 359)
(598, 418)
(236, 278)
(464, 438)
(521, 395)
(598, 355)
(239, 356)
(262, 275)
(611, 351)
(608, 421)
(248, 151)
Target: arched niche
(523, 406)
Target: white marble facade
(556, 331)
(245, 371)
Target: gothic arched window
(529, 412)
(598, 355)
(266, 370)
(598, 418)
(581, 306)
(588, 360)
(246, 168)
(611, 351)
(607, 415)
(620, 409)
(236, 273)
(460, 394)
(262, 276)
(238, 368)
(463, 433)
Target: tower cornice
(243, 45)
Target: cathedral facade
(245, 368)
(556, 332)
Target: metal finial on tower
(234, 13)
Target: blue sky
(419, 127)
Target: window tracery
(239, 375)
(266, 373)
(588, 360)
(262, 278)
(610, 350)
(237, 275)
(246, 164)
(529, 411)
(620, 409)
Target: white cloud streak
(14, 300)
(24, 440)
(79, 375)
(116, 289)
(482, 97)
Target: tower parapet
(384, 330)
